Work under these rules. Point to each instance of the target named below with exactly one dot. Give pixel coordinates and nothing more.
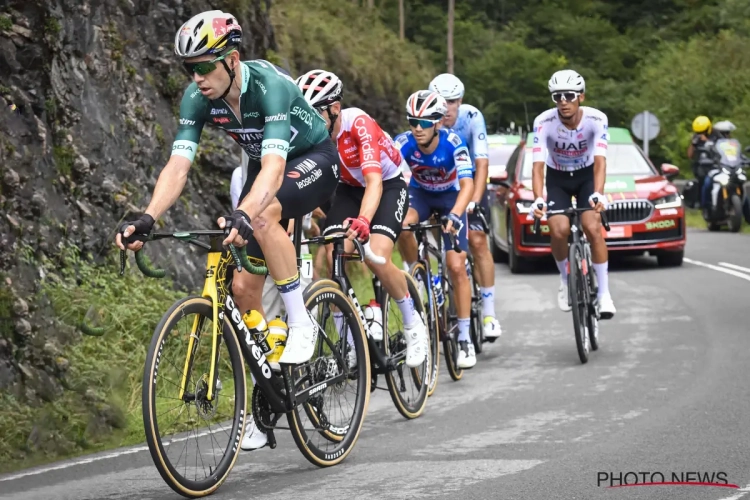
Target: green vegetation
(5, 23)
(64, 157)
(101, 406)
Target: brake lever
(126, 241)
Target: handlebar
(238, 254)
(569, 211)
(363, 249)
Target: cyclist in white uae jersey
(468, 123)
(570, 144)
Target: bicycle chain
(261, 410)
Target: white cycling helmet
(566, 79)
(426, 104)
(210, 32)
(448, 86)
(320, 88)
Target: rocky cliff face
(95, 87)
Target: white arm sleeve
(479, 136)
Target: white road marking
(735, 266)
(127, 451)
(717, 268)
(742, 492)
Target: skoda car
(645, 211)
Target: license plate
(618, 232)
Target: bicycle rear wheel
(419, 273)
(329, 360)
(406, 385)
(579, 307)
(448, 321)
(476, 329)
(179, 351)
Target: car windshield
(500, 155)
(622, 159)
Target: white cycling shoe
(467, 356)
(417, 342)
(562, 297)
(254, 438)
(606, 306)
(492, 328)
(300, 343)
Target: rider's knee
(559, 231)
(457, 267)
(266, 220)
(247, 289)
(477, 241)
(592, 230)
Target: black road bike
(582, 282)
(387, 357)
(438, 301)
(195, 399)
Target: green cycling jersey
(275, 117)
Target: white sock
(294, 302)
(340, 322)
(463, 330)
(562, 265)
(408, 312)
(602, 276)
(488, 301)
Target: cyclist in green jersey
(292, 167)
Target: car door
(500, 204)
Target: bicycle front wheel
(406, 385)
(429, 304)
(579, 307)
(448, 321)
(476, 328)
(327, 435)
(178, 415)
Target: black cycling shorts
(309, 181)
(389, 216)
(561, 186)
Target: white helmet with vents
(566, 79)
(426, 104)
(320, 88)
(448, 86)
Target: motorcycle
(727, 196)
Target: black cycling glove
(143, 227)
(240, 221)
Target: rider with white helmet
(468, 122)
(371, 198)
(442, 180)
(570, 143)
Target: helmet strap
(332, 119)
(231, 79)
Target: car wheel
(670, 259)
(515, 262)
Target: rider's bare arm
(466, 186)
(482, 167)
(600, 173)
(373, 192)
(537, 179)
(169, 185)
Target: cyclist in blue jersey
(468, 122)
(442, 179)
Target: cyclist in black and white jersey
(570, 143)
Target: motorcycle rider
(721, 130)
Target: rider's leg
(591, 222)
(385, 228)
(485, 270)
(418, 211)
(558, 198)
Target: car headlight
(524, 206)
(669, 201)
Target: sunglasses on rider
(204, 67)
(565, 96)
(425, 124)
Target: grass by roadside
(694, 219)
(100, 408)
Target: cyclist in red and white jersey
(570, 144)
(371, 198)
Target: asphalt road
(668, 391)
